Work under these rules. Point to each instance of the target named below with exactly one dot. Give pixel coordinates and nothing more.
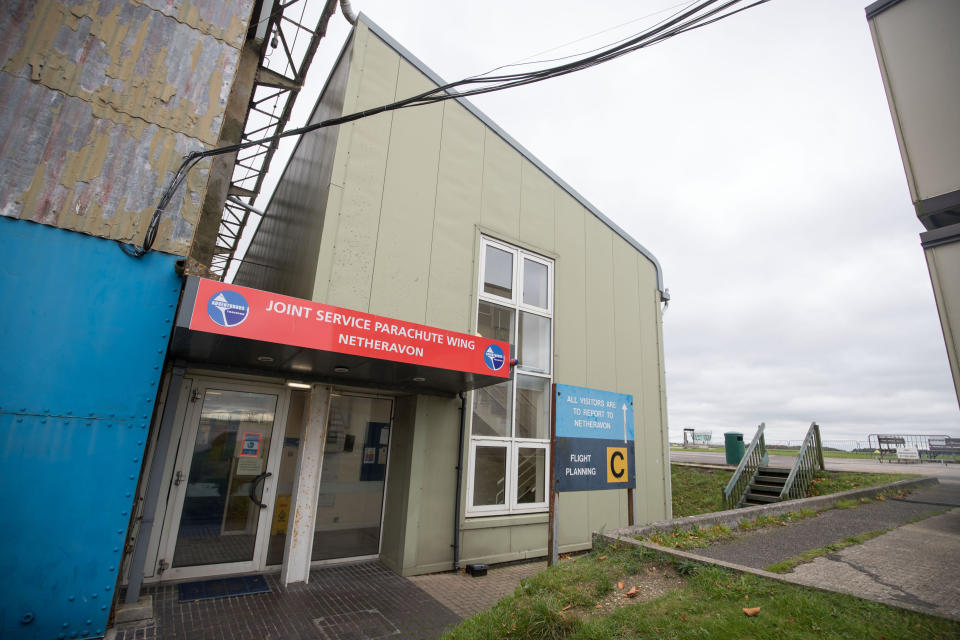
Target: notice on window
(250, 445)
(249, 466)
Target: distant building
(916, 45)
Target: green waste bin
(733, 444)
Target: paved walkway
(357, 601)
(466, 596)
(913, 566)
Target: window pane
(495, 322)
(489, 476)
(533, 407)
(534, 342)
(531, 467)
(491, 410)
(535, 283)
(498, 272)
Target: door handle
(253, 488)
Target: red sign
(241, 312)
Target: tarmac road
(945, 472)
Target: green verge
(827, 482)
(701, 537)
(709, 606)
(698, 490)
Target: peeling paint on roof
(102, 99)
(62, 164)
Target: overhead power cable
(697, 15)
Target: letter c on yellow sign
(616, 464)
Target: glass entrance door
(350, 504)
(222, 489)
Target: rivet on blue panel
(112, 569)
(116, 549)
(93, 595)
(44, 421)
(139, 443)
(89, 621)
(123, 513)
(108, 587)
(71, 598)
(129, 426)
(109, 425)
(131, 477)
(19, 419)
(126, 495)
(66, 624)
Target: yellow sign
(617, 464)
(281, 514)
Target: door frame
(188, 428)
(377, 395)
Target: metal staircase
(766, 486)
(755, 483)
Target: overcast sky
(757, 160)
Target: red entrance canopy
(228, 325)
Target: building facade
(435, 215)
(375, 383)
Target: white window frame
(513, 444)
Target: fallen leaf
(620, 586)
(601, 558)
(599, 606)
(683, 617)
(566, 607)
(751, 611)
(633, 592)
(746, 597)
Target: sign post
(592, 440)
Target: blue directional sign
(594, 440)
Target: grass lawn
(698, 490)
(585, 597)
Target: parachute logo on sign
(228, 308)
(493, 357)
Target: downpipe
(456, 510)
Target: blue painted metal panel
(592, 413)
(85, 335)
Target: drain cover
(366, 624)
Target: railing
(805, 467)
(752, 459)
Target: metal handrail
(805, 467)
(747, 469)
